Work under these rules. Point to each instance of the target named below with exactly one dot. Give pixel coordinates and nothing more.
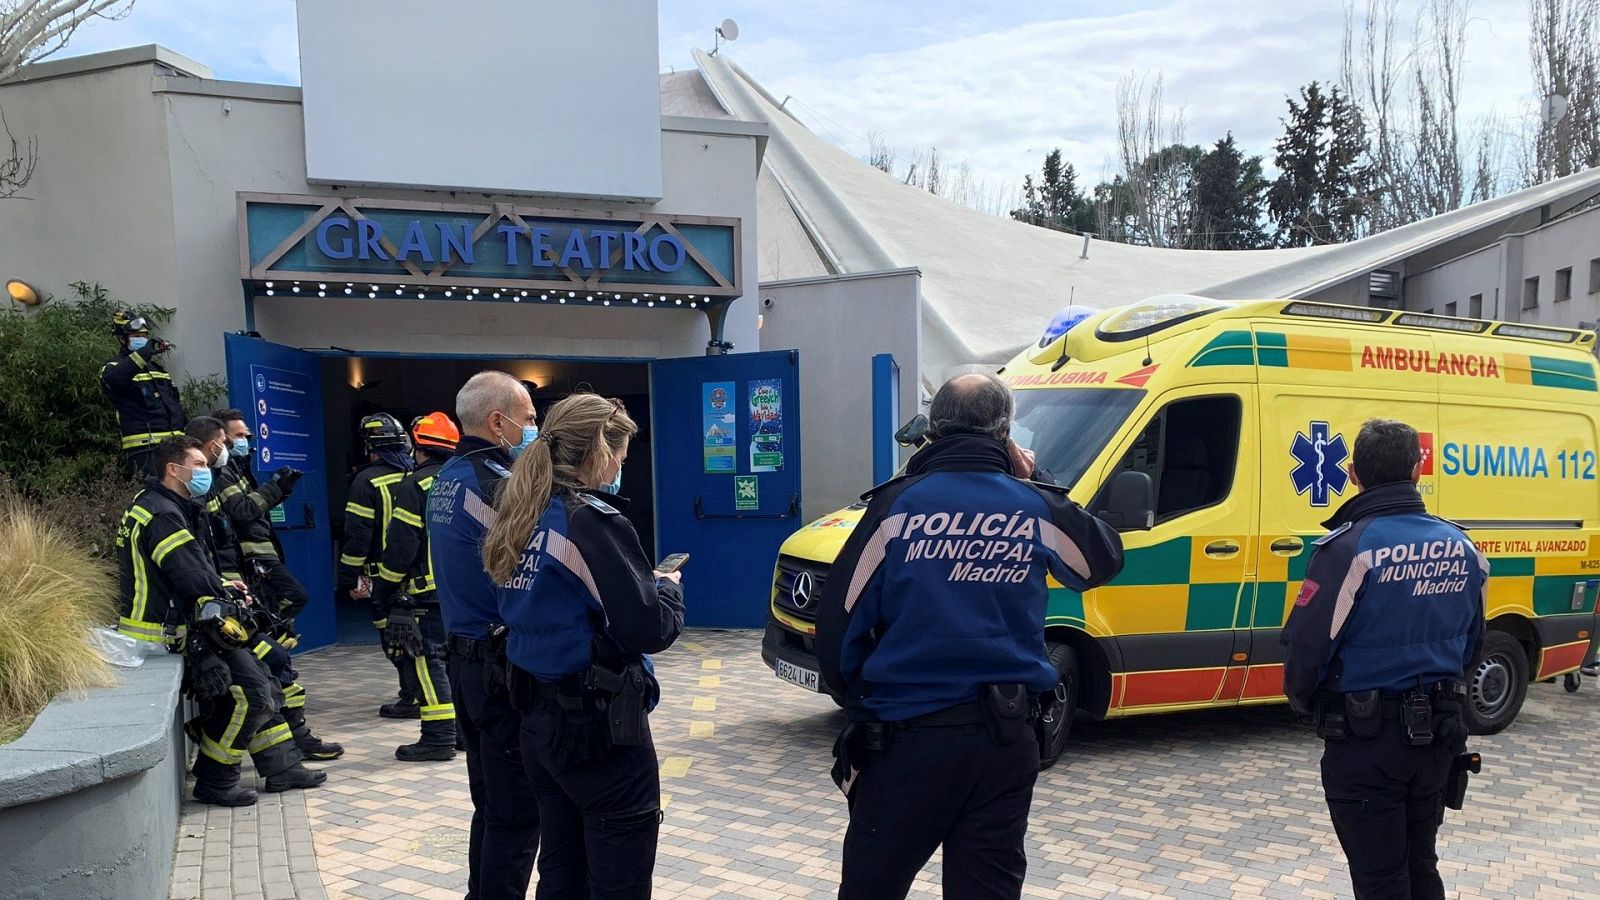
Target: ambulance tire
(1497, 684)
(1059, 707)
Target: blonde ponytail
(580, 437)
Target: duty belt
(475, 649)
(963, 714)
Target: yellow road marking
(698, 648)
(710, 663)
(710, 681)
(705, 704)
(675, 766)
(701, 729)
(666, 800)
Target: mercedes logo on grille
(800, 591)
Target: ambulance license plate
(796, 675)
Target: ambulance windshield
(1067, 427)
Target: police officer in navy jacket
(584, 606)
(498, 422)
(931, 625)
(1387, 621)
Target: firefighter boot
(235, 794)
(295, 777)
(311, 746)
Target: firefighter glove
(287, 477)
(401, 636)
(209, 677)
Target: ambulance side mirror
(912, 432)
(1130, 502)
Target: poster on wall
(718, 427)
(284, 408)
(766, 425)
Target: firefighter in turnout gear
(584, 605)
(1388, 619)
(245, 506)
(172, 594)
(403, 594)
(366, 522)
(498, 422)
(141, 391)
(931, 626)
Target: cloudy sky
(996, 83)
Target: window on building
(1383, 288)
(1563, 284)
(1450, 308)
(1190, 450)
(1530, 293)
(1475, 306)
(1594, 276)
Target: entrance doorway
(405, 387)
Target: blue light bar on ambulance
(1558, 335)
(1154, 314)
(1442, 323)
(1063, 322)
(1334, 311)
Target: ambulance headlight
(1063, 322)
(1154, 314)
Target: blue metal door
(726, 437)
(280, 391)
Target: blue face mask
(529, 434)
(240, 448)
(138, 343)
(615, 487)
(199, 483)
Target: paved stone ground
(262, 852)
(1220, 804)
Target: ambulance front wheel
(1497, 684)
(1057, 707)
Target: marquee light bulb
(347, 290)
(608, 302)
(372, 295)
(322, 293)
(269, 292)
(449, 293)
(617, 296)
(571, 294)
(497, 295)
(269, 284)
(296, 289)
(563, 300)
(419, 295)
(322, 287)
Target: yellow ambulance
(1215, 436)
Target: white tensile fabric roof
(991, 284)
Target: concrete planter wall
(89, 796)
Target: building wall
(156, 220)
(256, 145)
(1502, 269)
(99, 206)
(839, 323)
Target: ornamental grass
(53, 591)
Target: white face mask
(220, 458)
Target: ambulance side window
(1190, 450)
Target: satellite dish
(729, 29)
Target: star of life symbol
(1321, 463)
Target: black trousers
(950, 785)
(425, 677)
(280, 665)
(248, 719)
(505, 813)
(599, 818)
(1385, 797)
(137, 462)
(402, 664)
(280, 586)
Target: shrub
(60, 433)
(54, 592)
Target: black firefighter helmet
(382, 431)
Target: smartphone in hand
(672, 563)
